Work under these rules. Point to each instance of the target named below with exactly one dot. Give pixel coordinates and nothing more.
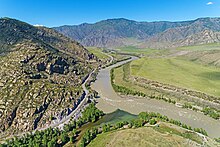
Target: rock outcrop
(40, 75)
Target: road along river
(109, 101)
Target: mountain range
(161, 34)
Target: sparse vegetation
(211, 112)
(40, 76)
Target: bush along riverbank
(211, 112)
(56, 137)
(128, 91)
(53, 136)
(144, 118)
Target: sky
(52, 13)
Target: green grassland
(142, 51)
(211, 46)
(180, 73)
(122, 78)
(210, 57)
(104, 54)
(197, 69)
(173, 77)
(98, 52)
(165, 135)
(150, 52)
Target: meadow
(178, 72)
(142, 51)
(211, 46)
(98, 52)
(146, 136)
(192, 67)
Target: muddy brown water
(110, 101)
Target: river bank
(109, 101)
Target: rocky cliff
(40, 75)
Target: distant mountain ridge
(121, 32)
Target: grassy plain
(165, 135)
(180, 73)
(121, 79)
(211, 46)
(105, 55)
(191, 67)
(98, 52)
(142, 51)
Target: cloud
(38, 25)
(209, 3)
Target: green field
(166, 52)
(122, 79)
(142, 51)
(211, 46)
(180, 73)
(98, 52)
(165, 135)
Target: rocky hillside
(120, 32)
(112, 32)
(40, 75)
(204, 37)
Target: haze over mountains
(161, 34)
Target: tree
(83, 142)
(105, 128)
(87, 136)
(74, 132)
(64, 138)
(71, 138)
(44, 140)
(153, 121)
(51, 143)
(143, 116)
(138, 123)
(94, 132)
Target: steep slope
(120, 32)
(204, 37)
(113, 32)
(40, 75)
(197, 32)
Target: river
(109, 101)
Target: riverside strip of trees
(53, 137)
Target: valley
(109, 101)
(130, 80)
